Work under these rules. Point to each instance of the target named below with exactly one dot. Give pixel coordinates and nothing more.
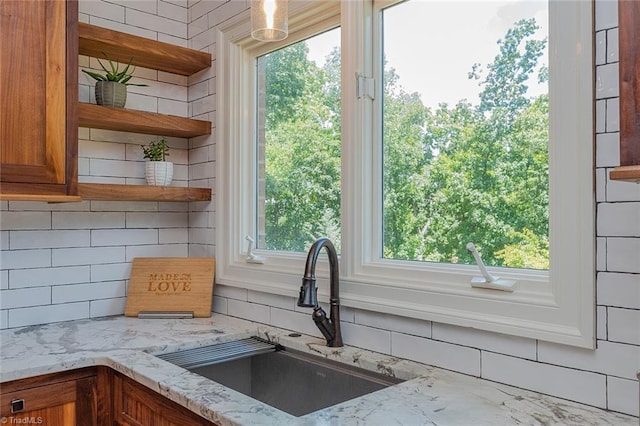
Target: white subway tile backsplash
(4, 280)
(48, 239)
(249, 311)
(612, 45)
(295, 321)
(623, 255)
(48, 207)
(4, 319)
(48, 314)
(124, 206)
(575, 385)
(624, 326)
(4, 240)
(601, 254)
(87, 256)
(494, 342)
(202, 235)
(400, 324)
(97, 149)
(606, 12)
(219, 305)
(613, 115)
(607, 81)
(173, 235)
(439, 354)
(608, 150)
(88, 220)
(373, 339)
(609, 358)
(25, 297)
(622, 191)
(38, 277)
(19, 259)
(157, 220)
(623, 395)
(165, 250)
(619, 290)
(110, 272)
(123, 237)
(116, 168)
(173, 107)
(107, 307)
(156, 23)
(619, 219)
(601, 47)
(103, 9)
(601, 322)
(601, 185)
(17, 220)
(173, 11)
(275, 300)
(601, 116)
(89, 291)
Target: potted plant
(111, 88)
(158, 171)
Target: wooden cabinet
(136, 405)
(60, 399)
(629, 69)
(94, 396)
(38, 99)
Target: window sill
(626, 173)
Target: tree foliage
(451, 174)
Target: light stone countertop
(430, 396)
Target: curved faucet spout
(330, 328)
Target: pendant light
(269, 20)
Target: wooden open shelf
(626, 173)
(150, 123)
(111, 192)
(121, 47)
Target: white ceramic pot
(159, 173)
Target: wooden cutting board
(171, 284)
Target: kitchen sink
(289, 380)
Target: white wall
(71, 261)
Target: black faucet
(330, 328)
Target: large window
(465, 132)
(298, 143)
(351, 147)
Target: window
(298, 144)
(554, 304)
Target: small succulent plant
(156, 150)
(113, 73)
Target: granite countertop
(430, 396)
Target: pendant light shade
(269, 20)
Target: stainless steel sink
(288, 380)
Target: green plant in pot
(158, 171)
(111, 88)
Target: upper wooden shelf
(150, 123)
(111, 192)
(626, 173)
(146, 53)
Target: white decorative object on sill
(159, 173)
(251, 257)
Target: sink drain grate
(222, 352)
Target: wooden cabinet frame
(629, 53)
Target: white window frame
(556, 306)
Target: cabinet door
(38, 96)
(135, 405)
(68, 403)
